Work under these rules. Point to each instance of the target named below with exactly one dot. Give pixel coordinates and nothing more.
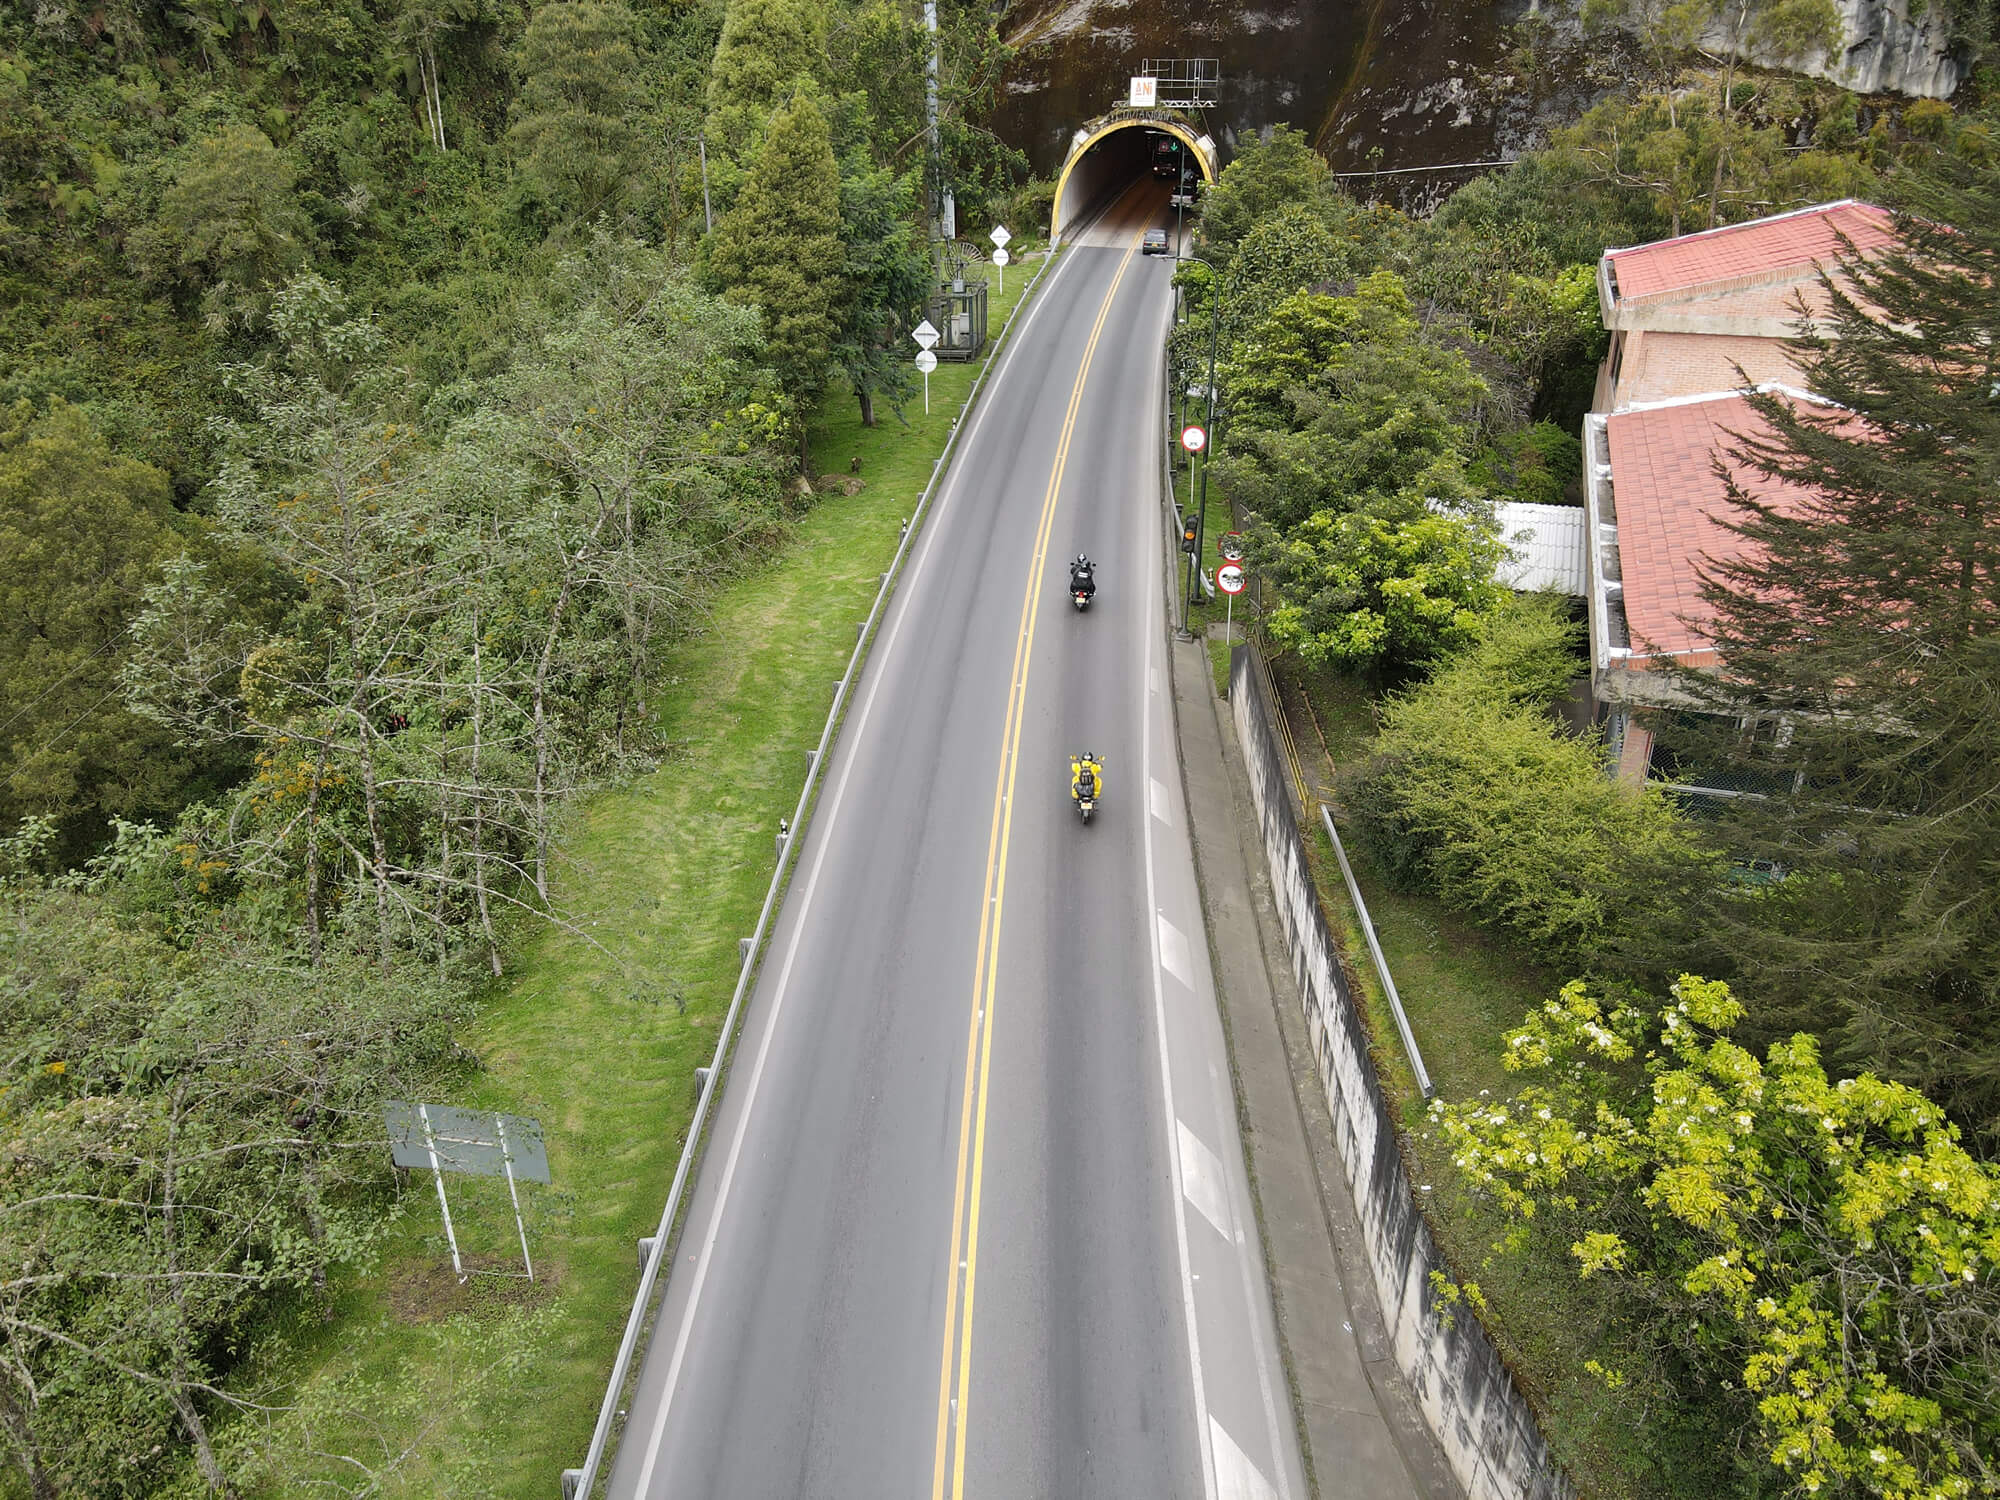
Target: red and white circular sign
(1229, 578)
(1193, 438)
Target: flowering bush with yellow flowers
(1823, 1251)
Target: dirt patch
(427, 1291)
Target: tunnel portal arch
(1078, 192)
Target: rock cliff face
(1888, 53)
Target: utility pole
(944, 221)
(1208, 450)
(707, 213)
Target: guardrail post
(572, 1481)
(647, 1246)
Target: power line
(63, 733)
(103, 646)
(1450, 166)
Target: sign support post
(1229, 578)
(507, 1161)
(437, 1174)
(925, 336)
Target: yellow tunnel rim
(1112, 127)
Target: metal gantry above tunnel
(1192, 83)
(1164, 104)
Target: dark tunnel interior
(1113, 162)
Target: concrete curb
(1363, 1434)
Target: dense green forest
(376, 409)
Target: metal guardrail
(1306, 799)
(1381, 964)
(578, 1484)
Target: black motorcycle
(1082, 583)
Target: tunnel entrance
(1107, 155)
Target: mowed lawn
(418, 1387)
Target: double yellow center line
(963, 1269)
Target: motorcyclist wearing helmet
(1086, 777)
(1083, 576)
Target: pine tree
(779, 249)
(1861, 635)
(766, 47)
(577, 120)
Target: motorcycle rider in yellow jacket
(1086, 777)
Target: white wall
(1484, 1424)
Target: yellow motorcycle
(1086, 782)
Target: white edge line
(1257, 1300)
(1156, 627)
(825, 827)
(1255, 1308)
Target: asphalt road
(973, 1218)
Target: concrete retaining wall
(1485, 1426)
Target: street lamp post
(1208, 451)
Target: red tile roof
(1785, 242)
(1667, 497)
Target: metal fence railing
(1367, 924)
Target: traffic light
(1189, 544)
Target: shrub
(1366, 594)
(1026, 210)
(1477, 794)
(1535, 464)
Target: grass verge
(415, 1386)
